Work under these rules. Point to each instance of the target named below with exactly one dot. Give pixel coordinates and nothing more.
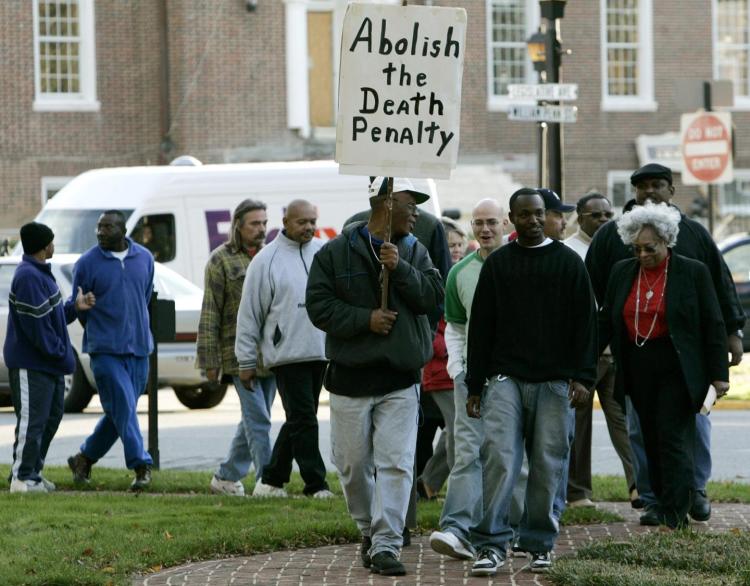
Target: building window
(732, 46)
(51, 185)
(734, 197)
(627, 55)
(619, 190)
(64, 56)
(509, 24)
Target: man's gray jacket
(272, 314)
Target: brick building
(137, 82)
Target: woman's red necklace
(649, 294)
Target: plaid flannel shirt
(225, 274)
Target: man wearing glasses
(594, 211)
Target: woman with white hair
(663, 320)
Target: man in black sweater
(653, 182)
(532, 333)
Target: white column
(297, 86)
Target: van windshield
(75, 230)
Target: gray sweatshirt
(272, 315)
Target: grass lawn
(103, 535)
(682, 558)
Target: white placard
(559, 114)
(549, 92)
(399, 107)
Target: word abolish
(412, 46)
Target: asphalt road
(198, 440)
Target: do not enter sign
(707, 148)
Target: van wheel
(5, 400)
(203, 397)
(78, 391)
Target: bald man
(463, 510)
(272, 321)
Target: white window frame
(55, 182)
(613, 177)
(737, 210)
(644, 101)
(740, 102)
(496, 103)
(84, 100)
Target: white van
(182, 212)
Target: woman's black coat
(694, 320)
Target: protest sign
(399, 107)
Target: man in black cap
(653, 182)
(38, 354)
(555, 221)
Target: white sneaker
(17, 485)
(541, 562)
(323, 494)
(487, 563)
(582, 503)
(48, 485)
(228, 487)
(266, 490)
(448, 544)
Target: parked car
(736, 251)
(176, 359)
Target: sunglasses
(599, 215)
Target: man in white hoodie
(273, 319)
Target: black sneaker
(80, 466)
(650, 518)
(142, 478)
(516, 550)
(541, 561)
(701, 507)
(487, 563)
(364, 551)
(387, 564)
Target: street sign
(547, 92)
(543, 113)
(707, 148)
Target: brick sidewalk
(339, 564)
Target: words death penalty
(422, 132)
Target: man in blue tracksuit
(116, 335)
(38, 354)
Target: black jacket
(343, 289)
(694, 321)
(430, 232)
(693, 241)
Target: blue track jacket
(118, 323)
(37, 336)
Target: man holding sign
(375, 359)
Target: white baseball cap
(380, 186)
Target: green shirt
(459, 291)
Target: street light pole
(552, 10)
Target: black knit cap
(652, 170)
(35, 236)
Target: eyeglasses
(648, 249)
(493, 223)
(599, 215)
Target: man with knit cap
(532, 339)
(38, 354)
(376, 359)
(272, 319)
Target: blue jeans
(538, 416)
(702, 453)
(463, 508)
(120, 380)
(251, 443)
(373, 441)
